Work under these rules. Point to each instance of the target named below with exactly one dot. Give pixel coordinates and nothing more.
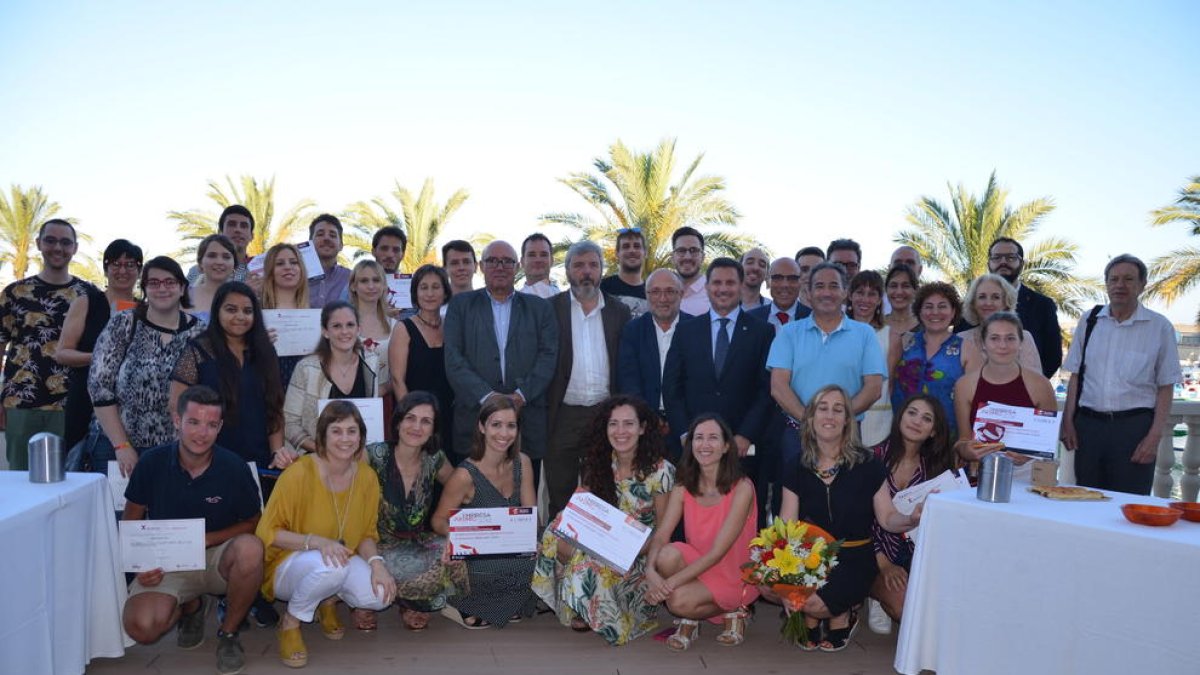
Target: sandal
(681, 639)
(292, 650)
(331, 626)
(465, 620)
(364, 619)
(580, 626)
(515, 618)
(836, 639)
(414, 620)
(814, 637)
(734, 633)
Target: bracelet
(374, 558)
(123, 446)
(307, 539)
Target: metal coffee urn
(46, 458)
(995, 478)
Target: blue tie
(722, 349)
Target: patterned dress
(613, 605)
(411, 551)
(936, 375)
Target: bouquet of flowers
(793, 559)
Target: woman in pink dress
(701, 578)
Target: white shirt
(664, 345)
(695, 297)
(1126, 361)
(589, 356)
(776, 310)
(544, 289)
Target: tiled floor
(534, 647)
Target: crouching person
(194, 478)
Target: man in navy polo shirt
(194, 478)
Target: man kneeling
(194, 478)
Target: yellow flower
(765, 539)
(785, 561)
(818, 546)
(812, 560)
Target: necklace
(340, 514)
(434, 326)
(826, 474)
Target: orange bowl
(1191, 510)
(1149, 514)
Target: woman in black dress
(415, 350)
(838, 485)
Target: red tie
(783, 317)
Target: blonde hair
(1006, 289)
(270, 294)
(851, 451)
(381, 303)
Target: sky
(826, 119)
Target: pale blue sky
(827, 119)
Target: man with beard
(754, 265)
(325, 232)
(1038, 313)
(388, 246)
(626, 285)
(687, 256)
(589, 330)
(537, 256)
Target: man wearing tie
(717, 362)
(783, 283)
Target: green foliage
(955, 242)
(421, 218)
(259, 198)
(22, 212)
(1177, 272)
(634, 189)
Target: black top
(79, 403)
(224, 495)
(357, 390)
(844, 508)
(614, 286)
(245, 428)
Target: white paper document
(602, 530)
(371, 410)
(256, 264)
(297, 331)
(117, 484)
(906, 500)
(509, 532)
(399, 295)
(1025, 430)
(312, 261)
(170, 545)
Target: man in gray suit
(500, 343)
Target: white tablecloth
(61, 585)
(1040, 586)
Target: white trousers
(304, 580)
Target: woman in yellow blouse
(320, 532)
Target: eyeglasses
(663, 293)
(688, 250)
(503, 263)
(161, 283)
(1004, 257)
(790, 278)
(124, 265)
(64, 242)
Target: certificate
(311, 261)
(399, 295)
(172, 545)
(117, 484)
(602, 530)
(505, 532)
(297, 331)
(1025, 430)
(906, 500)
(256, 264)
(371, 410)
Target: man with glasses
(500, 343)
(626, 285)
(1038, 313)
(687, 256)
(537, 256)
(32, 311)
(646, 340)
(783, 283)
(847, 253)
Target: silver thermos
(995, 478)
(46, 458)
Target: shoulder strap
(1088, 327)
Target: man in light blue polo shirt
(824, 348)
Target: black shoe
(264, 613)
(231, 658)
(244, 625)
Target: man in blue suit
(717, 363)
(500, 343)
(646, 340)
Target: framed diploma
(371, 410)
(603, 530)
(505, 532)
(172, 545)
(297, 331)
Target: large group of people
(687, 399)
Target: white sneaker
(878, 619)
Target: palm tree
(422, 219)
(634, 189)
(259, 198)
(955, 242)
(1178, 271)
(22, 213)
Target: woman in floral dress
(931, 357)
(624, 466)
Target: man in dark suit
(589, 329)
(717, 363)
(783, 283)
(500, 343)
(1038, 313)
(646, 340)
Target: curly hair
(943, 289)
(596, 472)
